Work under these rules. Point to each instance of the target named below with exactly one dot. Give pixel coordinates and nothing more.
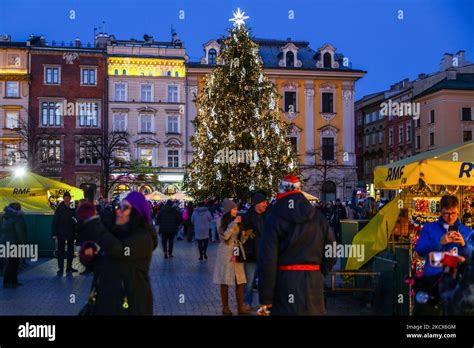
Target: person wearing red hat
(291, 260)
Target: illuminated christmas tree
(241, 142)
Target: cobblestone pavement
(181, 286)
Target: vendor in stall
(446, 234)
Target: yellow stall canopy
(34, 192)
(452, 165)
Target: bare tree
(113, 153)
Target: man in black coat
(252, 224)
(292, 262)
(169, 219)
(64, 230)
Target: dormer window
(212, 56)
(327, 60)
(290, 59)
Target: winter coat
(13, 226)
(169, 219)
(201, 219)
(64, 222)
(122, 268)
(226, 271)
(295, 233)
(252, 223)
(338, 213)
(429, 240)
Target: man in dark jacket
(338, 213)
(169, 219)
(64, 229)
(14, 232)
(252, 224)
(291, 261)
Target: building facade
(146, 93)
(67, 111)
(14, 93)
(317, 89)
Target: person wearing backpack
(14, 232)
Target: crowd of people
(276, 246)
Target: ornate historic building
(146, 95)
(317, 89)
(14, 90)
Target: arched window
(116, 71)
(212, 56)
(169, 73)
(176, 74)
(290, 59)
(124, 72)
(327, 60)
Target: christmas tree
(241, 142)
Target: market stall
(157, 196)
(38, 196)
(420, 181)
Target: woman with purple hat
(122, 285)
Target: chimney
(148, 39)
(460, 56)
(77, 42)
(102, 40)
(447, 61)
(421, 76)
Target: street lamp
(20, 171)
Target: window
(432, 116)
(12, 89)
(328, 149)
(401, 134)
(374, 138)
(328, 102)
(367, 118)
(432, 139)
(172, 94)
(146, 156)
(173, 124)
(146, 124)
(418, 142)
(173, 158)
(88, 115)
(408, 137)
(120, 122)
(50, 151)
(367, 167)
(294, 143)
(88, 76)
(116, 72)
(121, 155)
(88, 152)
(467, 135)
(124, 72)
(212, 56)
(50, 114)
(359, 120)
(168, 73)
(390, 136)
(380, 114)
(466, 114)
(12, 119)
(290, 102)
(147, 93)
(327, 60)
(418, 123)
(11, 154)
(51, 75)
(380, 137)
(374, 116)
(290, 59)
(120, 92)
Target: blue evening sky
(368, 32)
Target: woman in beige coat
(227, 272)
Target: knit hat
(289, 183)
(85, 211)
(258, 198)
(139, 203)
(228, 205)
